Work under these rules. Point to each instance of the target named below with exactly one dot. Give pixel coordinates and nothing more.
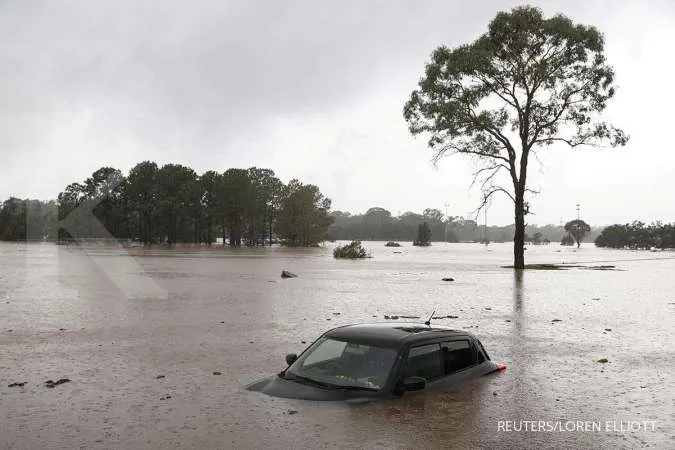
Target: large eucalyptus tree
(527, 83)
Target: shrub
(353, 250)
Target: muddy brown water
(113, 321)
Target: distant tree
(433, 215)
(578, 230)
(13, 220)
(236, 195)
(176, 189)
(377, 224)
(537, 239)
(567, 240)
(303, 218)
(423, 235)
(141, 195)
(636, 235)
(527, 83)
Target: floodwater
(113, 323)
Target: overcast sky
(313, 90)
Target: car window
(341, 363)
(457, 355)
(480, 357)
(424, 361)
(328, 349)
(481, 349)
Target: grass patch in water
(542, 267)
(563, 267)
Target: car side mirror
(290, 358)
(414, 384)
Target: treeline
(637, 235)
(377, 224)
(173, 204)
(22, 220)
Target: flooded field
(142, 337)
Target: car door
(461, 360)
(424, 360)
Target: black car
(379, 360)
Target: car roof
(393, 334)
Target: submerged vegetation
(423, 235)
(173, 204)
(379, 224)
(353, 250)
(637, 235)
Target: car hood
(279, 387)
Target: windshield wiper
(356, 388)
(305, 380)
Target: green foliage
(636, 236)
(303, 218)
(32, 220)
(171, 204)
(528, 82)
(353, 250)
(578, 230)
(423, 235)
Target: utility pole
(446, 221)
(578, 216)
(486, 238)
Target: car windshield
(341, 364)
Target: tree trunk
(519, 237)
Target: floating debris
(21, 384)
(51, 384)
(287, 274)
(603, 360)
(447, 279)
(292, 411)
(159, 377)
(556, 320)
(601, 268)
(217, 373)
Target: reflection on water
(143, 363)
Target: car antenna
(431, 316)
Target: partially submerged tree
(577, 229)
(567, 240)
(303, 218)
(527, 83)
(353, 250)
(423, 235)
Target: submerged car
(379, 360)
